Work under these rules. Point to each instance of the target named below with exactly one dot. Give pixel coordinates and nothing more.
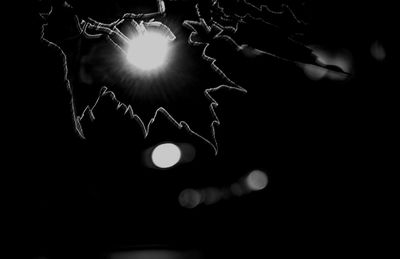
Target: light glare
(148, 50)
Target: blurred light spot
(226, 193)
(378, 52)
(166, 155)
(341, 58)
(211, 195)
(188, 152)
(314, 72)
(147, 254)
(148, 50)
(237, 189)
(257, 180)
(189, 198)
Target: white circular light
(166, 155)
(256, 180)
(148, 50)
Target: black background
(320, 142)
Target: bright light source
(148, 50)
(256, 180)
(166, 155)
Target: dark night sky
(315, 140)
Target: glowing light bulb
(148, 51)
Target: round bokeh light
(166, 155)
